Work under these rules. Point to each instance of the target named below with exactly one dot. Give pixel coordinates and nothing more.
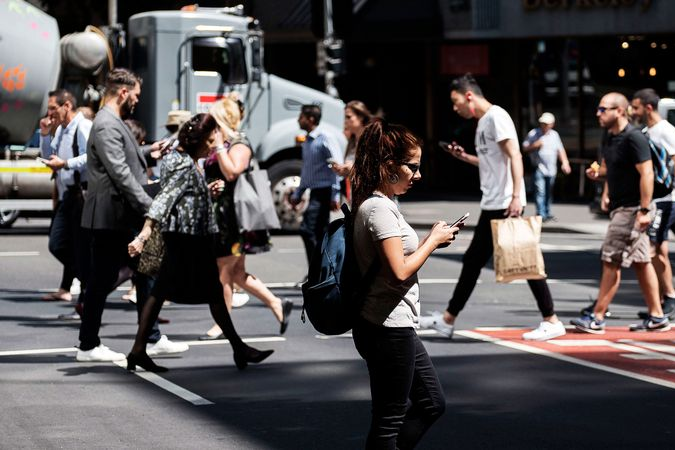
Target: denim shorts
(663, 219)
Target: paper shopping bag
(517, 255)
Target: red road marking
(646, 356)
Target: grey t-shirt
(388, 303)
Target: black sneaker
(668, 307)
(588, 311)
(652, 324)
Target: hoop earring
(393, 178)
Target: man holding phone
(66, 155)
(500, 168)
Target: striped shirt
(317, 149)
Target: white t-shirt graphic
(496, 182)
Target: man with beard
(627, 171)
(114, 206)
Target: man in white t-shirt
(545, 148)
(645, 108)
(500, 166)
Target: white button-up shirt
(62, 146)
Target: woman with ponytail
(387, 164)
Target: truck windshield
(222, 55)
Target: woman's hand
(135, 247)
(216, 188)
(341, 169)
(442, 234)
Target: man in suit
(115, 204)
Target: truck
(187, 58)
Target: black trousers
(407, 395)
(108, 255)
(67, 240)
(477, 256)
(315, 219)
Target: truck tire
(285, 176)
(8, 217)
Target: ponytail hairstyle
(382, 148)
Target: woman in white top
(387, 164)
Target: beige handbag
(517, 255)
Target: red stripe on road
(645, 354)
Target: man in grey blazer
(114, 206)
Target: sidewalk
(571, 218)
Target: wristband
(220, 149)
(141, 238)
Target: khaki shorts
(624, 245)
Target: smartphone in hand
(446, 146)
(42, 160)
(460, 220)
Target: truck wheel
(8, 217)
(284, 177)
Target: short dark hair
(63, 96)
(312, 112)
(137, 129)
(466, 83)
(195, 132)
(648, 96)
(119, 78)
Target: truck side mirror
(256, 58)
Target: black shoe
(250, 355)
(588, 311)
(144, 361)
(287, 308)
(668, 307)
(207, 337)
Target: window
(222, 55)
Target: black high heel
(250, 355)
(286, 308)
(144, 361)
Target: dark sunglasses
(602, 109)
(412, 166)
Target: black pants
(477, 255)
(67, 240)
(315, 219)
(407, 396)
(108, 256)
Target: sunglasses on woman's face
(412, 166)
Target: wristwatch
(644, 210)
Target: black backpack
(334, 291)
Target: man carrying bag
(500, 167)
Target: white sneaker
(75, 287)
(545, 331)
(435, 321)
(100, 353)
(239, 299)
(166, 347)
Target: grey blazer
(116, 167)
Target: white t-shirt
(546, 157)
(387, 303)
(663, 135)
(494, 166)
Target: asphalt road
(313, 392)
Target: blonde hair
(227, 114)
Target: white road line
(168, 386)
(569, 359)
(658, 347)
(323, 337)
(3, 254)
(40, 351)
(225, 341)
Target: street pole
(329, 38)
(112, 12)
